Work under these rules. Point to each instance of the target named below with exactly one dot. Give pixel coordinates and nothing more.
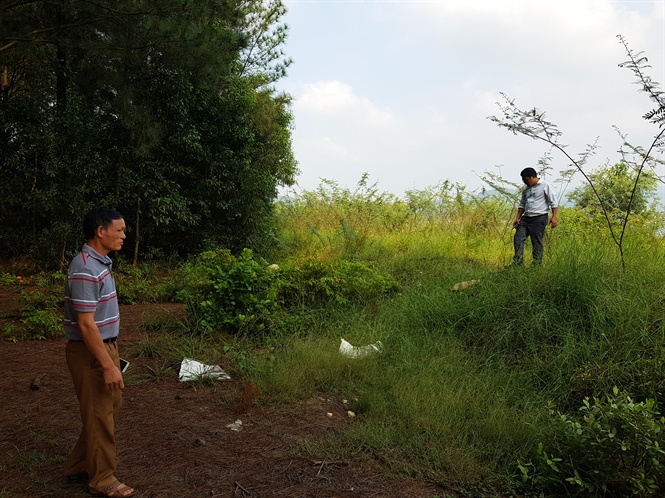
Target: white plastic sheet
(194, 370)
(347, 349)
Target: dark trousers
(94, 452)
(534, 228)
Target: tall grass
(463, 385)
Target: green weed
(149, 347)
(40, 317)
(615, 446)
(236, 293)
(159, 371)
(11, 279)
(161, 323)
(30, 460)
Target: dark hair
(528, 173)
(98, 217)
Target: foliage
(164, 113)
(262, 56)
(42, 324)
(332, 223)
(40, 318)
(614, 186)
(243, 293)
(615, 447)
(336, 222)
(316, 283)
(151, 282)
(9, 279)
(236, 293)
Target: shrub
(40, 317)
(242, 293)
(342, 282)
(616, 448)
(234, 293)
(41, 324)
(150, 282)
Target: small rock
(199, 442)
(351, 414)
(38, 382)
(464, 285)
(235, 426)
(329, 414)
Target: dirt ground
(173, 438)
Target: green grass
(427, 407)
(463, 387)
(30, 460)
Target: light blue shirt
(538, 199)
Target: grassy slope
(461, 390)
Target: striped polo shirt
(90, 288)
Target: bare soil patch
(173, 439)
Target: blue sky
(402, 90)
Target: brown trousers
(94, 451)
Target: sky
(402, 90)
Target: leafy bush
(341, 282)
(40, 318)
(242, 293)
(41, 324)
(234, 293)
(150, 283)
(616, 448)
(11, 279)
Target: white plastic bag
(351, 351)
(194, 370)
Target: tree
(614, 185)
(161, 109)
(263, 58)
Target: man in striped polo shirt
(92, 322)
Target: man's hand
(113, 379)
(516, 223)
(93, 341)
(554, 221)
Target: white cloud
(337, 99)
(533, 35)
(329, 148)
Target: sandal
(116, 490)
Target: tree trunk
(136, 241)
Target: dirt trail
(173, 439)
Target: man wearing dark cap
(536, 201)
(92, 322)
